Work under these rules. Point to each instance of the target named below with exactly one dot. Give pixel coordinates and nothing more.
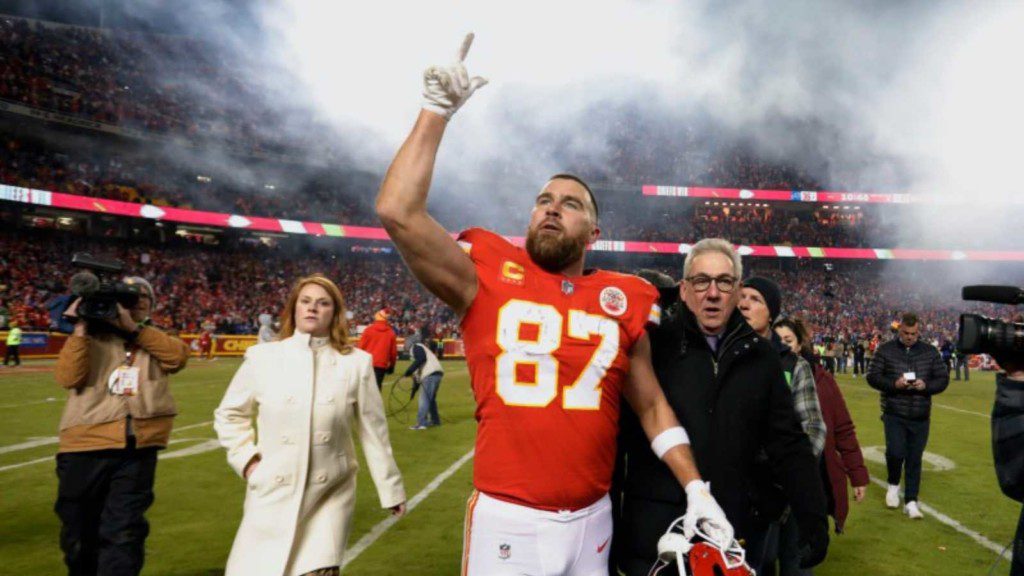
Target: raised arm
(431, 253)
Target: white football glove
(703, 510)
(446, 88)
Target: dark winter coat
(891, 361)
(733, 405)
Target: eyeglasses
(702, 282)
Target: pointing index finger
(464, 49)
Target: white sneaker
(892, 496)
(912, 511)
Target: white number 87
(585, 392)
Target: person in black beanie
(760, 303)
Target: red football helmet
(699, 554)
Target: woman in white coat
(306, 392)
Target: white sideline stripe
(23, 464)
(983, 415)
(45, 441)
(973, 535)
(936, 404)
(29, 444)
(196, 425)
(377, 531)
(201, 448)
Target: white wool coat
(301, 496)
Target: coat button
(291, 399)
(278, 479)
(330, 398)
(321, 477)
(284, 438)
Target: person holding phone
(908, 372)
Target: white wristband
(669, 439)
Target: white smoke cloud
(916, 96)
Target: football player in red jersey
(551, 347)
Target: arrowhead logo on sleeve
(613, 301)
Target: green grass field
(199, 498)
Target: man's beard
(553, 253)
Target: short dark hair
(909, 319)
(578, 180)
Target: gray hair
(709, 246)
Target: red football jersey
(548, 355)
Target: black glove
(415, 387)
(390, 370)
(813, 548)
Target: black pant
(858, 366)
(762, 547)
(641, 523)
(12, 352)
(379, 374)
(904, 446)
(102, 498)
(967, 368)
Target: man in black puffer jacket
(908, 372)
(726, 386)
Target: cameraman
(1008, 444)
(119, 413)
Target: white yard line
(377, 531)
(953, 408)
(53, 440)
(936, 404)
(23, 464)
(201, 448)
(955, 525)
(34, 443)
(191, 426)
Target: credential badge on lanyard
(124, 380)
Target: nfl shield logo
(567, 287)
(504, 551)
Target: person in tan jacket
(118, 414)
(308, 393)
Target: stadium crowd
(165, 85)
(197, 289)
